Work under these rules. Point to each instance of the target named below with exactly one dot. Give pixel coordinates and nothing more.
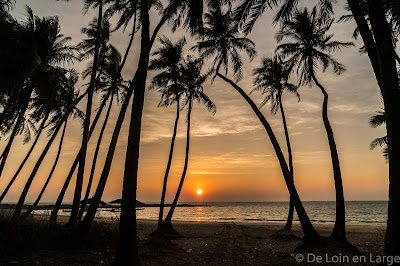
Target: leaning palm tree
(35, 204)
(308, 46)
(192, 12)
(111, 84)
(73, 220)
(168, 58)
(52, 50)
(272, 80)
(191, 79)
(69, 108)
(64, 100)
(210, 45)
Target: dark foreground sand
(211, 243)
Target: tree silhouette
(309, 45)
(272, 80)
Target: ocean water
(357, 212)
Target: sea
(357, 212)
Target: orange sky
(231, 158)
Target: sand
(213, 243)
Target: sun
(199, 192)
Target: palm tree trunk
(96, 153)
(368, 38)
(33, 207)
(57, 205)
(21, 200)
(127, 250)
(15, 130)
(84, 226)
(129, 45)
(25, 159)
(339, 230)
(289, 221)
(171, 151)
(73, 219)
(309, 231)
(391, 96)
(166, 16)
(178, 192)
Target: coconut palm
(34, 205)
(168, 58)
(52, 51)
(308, 46)
(127, 10)
(69, 101)
(191, 79)
(44, 107)
(57, 205)
(249, 11)
(272, 80)
(98, 44)
(212, 45)
(221, 40)
(192, 12)
(110, 82)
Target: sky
(231, 157)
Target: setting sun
(199, 192)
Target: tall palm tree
(127, 246)
(168, 58)
(127, 10)
(51, 50)
(114, 87)
(192, 80)
(272, 80)
(57, 205)
(73, 220)
(212, 45)
(309, 45)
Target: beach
(211, 243)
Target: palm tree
(169, 59)
(272, 80)
(221, 40)
(67, 83)
(249, 11)
(309, 45)
(193, 13)
(57, 205)
(192, 81)
(377, 120)
(113, 86)
(212, 45)
(98, 38)
(34, 205)
(52, 51)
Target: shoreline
(207, 243)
